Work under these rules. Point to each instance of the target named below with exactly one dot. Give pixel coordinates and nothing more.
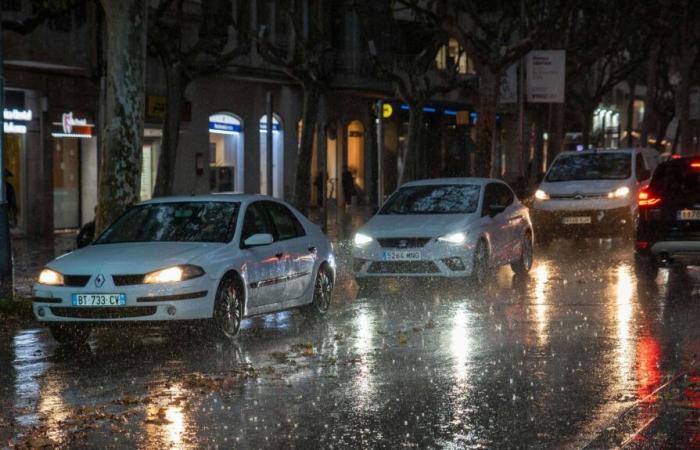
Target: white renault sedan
(452, 227)
(217, 258)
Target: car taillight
(648, 198)
(695, 165)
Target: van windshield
(591, 166)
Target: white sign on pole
(546, 76)
(695, 103)
(508, 88)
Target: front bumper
(186, 300)
(603, 222)
(437, 260)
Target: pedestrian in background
(348, 185)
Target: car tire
(480, 266)
(70, 334)
(323, 294)
(524, 264)
(646, 265)
(228, 309)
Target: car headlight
(454, 238)
(620, 192)
(50, 278)
(362, 239)
(173, 274)
(541, 195)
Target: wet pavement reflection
(552, 359)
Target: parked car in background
(668, 233)
(213, 258)
(592, 193)
(450, 227)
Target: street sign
(546, 76)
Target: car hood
(415, 225)
(582, 186)
(130, 258)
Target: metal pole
(380, 152)
(268, 145)
(6, 287)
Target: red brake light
(647, 198)
(695, 165)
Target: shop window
(356, 152)
(451, 54)
(225, 153)
(277, 156)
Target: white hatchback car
(451, 227)
(217, 258)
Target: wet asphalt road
(552, 360)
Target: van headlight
(454, 238)
(50, 278)
(173, 274)
(541, 195)
(362, 239)
(620, 192)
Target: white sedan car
(453, 227)
(217, 258)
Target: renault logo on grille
(578, 196)
(99, 280)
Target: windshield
(591, 166)
(443, 199)
(174, 222)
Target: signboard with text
(546, 76)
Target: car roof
(219, 197)
(602, 150)
(446, 181)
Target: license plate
(402, 255)
(688, 214)
(576, 220)
(99, 299)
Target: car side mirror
(496, 209)
(644, 175)
(259, 239)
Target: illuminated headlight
(362, 239)
(173, 274)
(620, 192)
(454, 238)
(541, 195)
(50, 278)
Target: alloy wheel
(229, 312)
(322, 291)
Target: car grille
(127, 280)
(104, 313)
(75, 280)
(403, 242)
(403, 267)
(576, 196)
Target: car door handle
(280, 255)
(312, 249)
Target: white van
(592, 193)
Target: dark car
(668, 232)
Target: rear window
(591, 166)
(677, 179)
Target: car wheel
(646, 265)
(70, 334)
(524, 264)
(480, 268)
(228, 309)
(323, 293)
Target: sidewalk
(30, 255)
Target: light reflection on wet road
(548, 360)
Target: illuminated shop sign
(224, 128)
(11, 115)
(72, 127)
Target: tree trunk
(122, 138)
(486, 121)
(556, 135)
(175, 85)
(652, 90)
(630, 113)
(302, 185)
(587, 120)
(663, 124)
(683, 106)
(412, 145)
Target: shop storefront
(75, 168)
